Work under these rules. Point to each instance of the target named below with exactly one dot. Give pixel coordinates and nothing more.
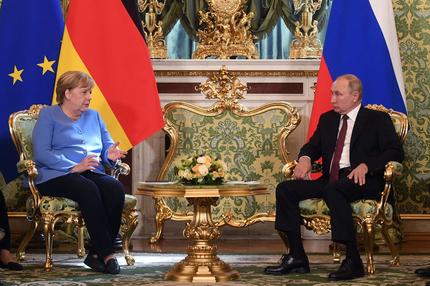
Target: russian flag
(361, 39)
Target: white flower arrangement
(201, 170)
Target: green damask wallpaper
(413, 29)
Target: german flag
(102, 40)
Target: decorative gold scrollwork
(226, 31)
(152, 29)
(306, 43)
(226, 88)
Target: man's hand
(303, 168)
(359, 174)
(114, 153)
(88, 163)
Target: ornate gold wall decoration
(153, 32)
(226, 88)
(306, 43)
(226, 31)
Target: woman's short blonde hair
(70, 80)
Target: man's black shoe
(424, 272)
(112, 266)
(11, 266)
(94, 263)
(349, 269)
(288, 264)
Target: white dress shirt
(344, 158)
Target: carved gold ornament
(225, 31)
(306, 43)
(226, 88)
(152, 29)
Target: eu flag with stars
(30, 40)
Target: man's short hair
(354, 83)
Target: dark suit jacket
(373, 141)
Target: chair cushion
(360, 208)
(55, 204)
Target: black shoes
(112, 266)
(11, 266)
(288, 264)
(349, 269)
(94, 263)
(424, 272)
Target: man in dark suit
(355, 143)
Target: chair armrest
(120, 168)
(288, 168)
(27, 166)
(392, 169)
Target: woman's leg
(112, 194)
(87, 194)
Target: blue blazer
(60, 143)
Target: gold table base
(202, 263)
(188, 270)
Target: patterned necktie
(334, 170)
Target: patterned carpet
(150, 268)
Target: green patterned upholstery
(14, 196)
(361, 208)
(251, 143)
(55, 204)
(247, 144)
(48, 211)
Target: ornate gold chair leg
(20, 252)
(393, 248)
(81, 239)
(369, 237)
(336, 253)
(48, 232)
(128, 229)
(161, 214)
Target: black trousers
(337, 195)
(4, 224)
(101, 201)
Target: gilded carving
(152, 29)
(226, 88)
(225, 31)
(306, 43)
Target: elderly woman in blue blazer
(71, 144)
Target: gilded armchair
(251, 142)
(46, 212)
(369, 215)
